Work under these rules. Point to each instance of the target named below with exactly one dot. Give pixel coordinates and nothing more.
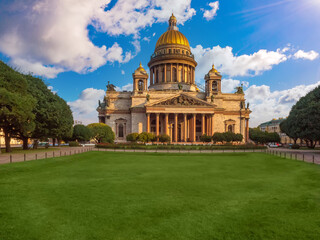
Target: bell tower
(140, 80)
(213, 82)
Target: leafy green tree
(61, 125)
(16, 105)
(81, 133)
(273, 137)
(291, 128)
(304, 117)
(101, 133)
(43, 110)
(259, 136)
(132, 137)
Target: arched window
(230, 128)
(140, 85)
(120, 130)
(214, 86)
(169, 50)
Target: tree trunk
(53, 142)
(25, 143)
(35, 144)
(7, 139)
(312, 144)
(59, 142)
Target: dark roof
(272, 122)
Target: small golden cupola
(172, 65)
(213, 82)
(140, 80)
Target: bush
(238, 137)
(81, 133)
(132, 137)
(205, 138)
(164, 138)
(74, 144)
(295, 146)
(227, 146)
(101, 132)
(228, 136)
(218, 137)
(152, 137)
(146, 137)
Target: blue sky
(77, 46)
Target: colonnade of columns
(180, 127)
(172, 72)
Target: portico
(181, 127)
(181, 117)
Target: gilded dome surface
(172, 37)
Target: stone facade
(172, 103)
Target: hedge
(178, 147)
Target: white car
(273, 145)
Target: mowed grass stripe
(106, 195)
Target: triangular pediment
(181, 100)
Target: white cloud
(36, 68)
(84, 108)
(266, 104)
(311, 55)
(128, 87)
(51, 89)
(49, 37)
(146, 39)
(153, 34)
(229, 64)
(229, 85)
(129, 16)
(210, 14)
(123, 72)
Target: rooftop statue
(111, 87)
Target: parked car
(274, 145)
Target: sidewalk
(21, 157)
(307, 156)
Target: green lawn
(131, 196)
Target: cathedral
(172, 103)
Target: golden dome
(213, 70)
(172, 18)
(172, 37)
(140, 69)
